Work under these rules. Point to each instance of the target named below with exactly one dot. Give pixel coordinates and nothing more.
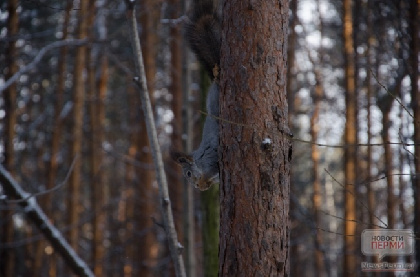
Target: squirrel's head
(192, 173)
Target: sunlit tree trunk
(255, 147)
(7, 256)
(74, 197)
(350, 138)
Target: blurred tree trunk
(7, 256)
(102, 186)
(349, 263)
(317, 190)
(359, 167)
(256, 150)
(181, 195)
(52, 167)
(74, 197)
(415, 98)
(385, 108)
(97, 65)
(11, 93)
(402, 186)
(127, 204)
(145, 195)
(369, 96)
(291, 70)
(315, 153)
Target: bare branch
(141, 82)
(38, 57)
(39, 218)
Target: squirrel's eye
(188, 174)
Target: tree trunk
(255, 147)
(7, 256)
(388, 167)
(291, 70)
(369, 187)
(146, 252)
(415, 98)
(96, 94)
(349, 268)
(52, 167)
(291, 100)
(315, 153)
(74, 204)
(126, 214)
(181, 193)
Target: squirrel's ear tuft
(181, 158)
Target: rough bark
(415, 98)
(291, 100)
(255, 148)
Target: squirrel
(202, 32)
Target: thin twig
(361, 202)
(59, 186)
(392, 95)
(404, 144)
(290, 136)
(38, 57)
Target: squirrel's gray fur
(202, 32)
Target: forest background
(72, 133)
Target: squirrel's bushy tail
(202, 32)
